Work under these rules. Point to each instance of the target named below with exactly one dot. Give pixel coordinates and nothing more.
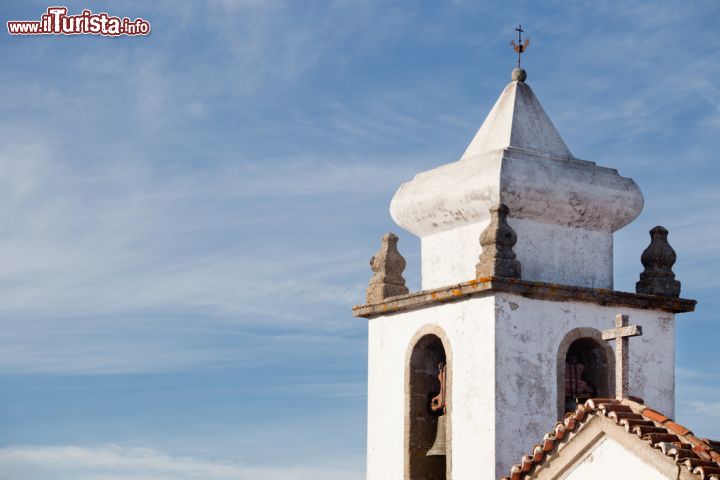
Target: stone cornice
(537, 290)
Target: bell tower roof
(518, 121)
(563, 209)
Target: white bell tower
(517, 255)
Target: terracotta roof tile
(654, 416)
(654, 438)
(700, 457)
(714, 444)
(705, 472)
(675, 428)
(538, 453)
(619, 408)
(643, 430)
(693, 463)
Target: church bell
(438, 404)
(439, 447)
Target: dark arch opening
(586, 372)
(423, 384)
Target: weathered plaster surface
(571, 256)
(600, 449)
(610, 459)
(527, 338)
(468, 326)
(537, 290)
(447, 256)
(564, 210)
(504, 365)
(449, 196)
(517, 119)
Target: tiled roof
(700, 457)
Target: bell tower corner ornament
(518, 74)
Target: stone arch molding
(420, 334)
(568, 339)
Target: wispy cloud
(111, 462)
(204, 201)
(89, 251)
(107, 233)
(707, 407)
(701, 416)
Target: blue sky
(186, 218)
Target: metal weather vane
(520, 47)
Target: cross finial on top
(520, 47)
(621, 334)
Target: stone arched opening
(428, 348)
(585, 368)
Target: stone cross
(621, 334)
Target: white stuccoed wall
(548, 253)
(503, 394)
(469, 328)
(448, 257)
(570, 256)
(527, 338)
(609, 459)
